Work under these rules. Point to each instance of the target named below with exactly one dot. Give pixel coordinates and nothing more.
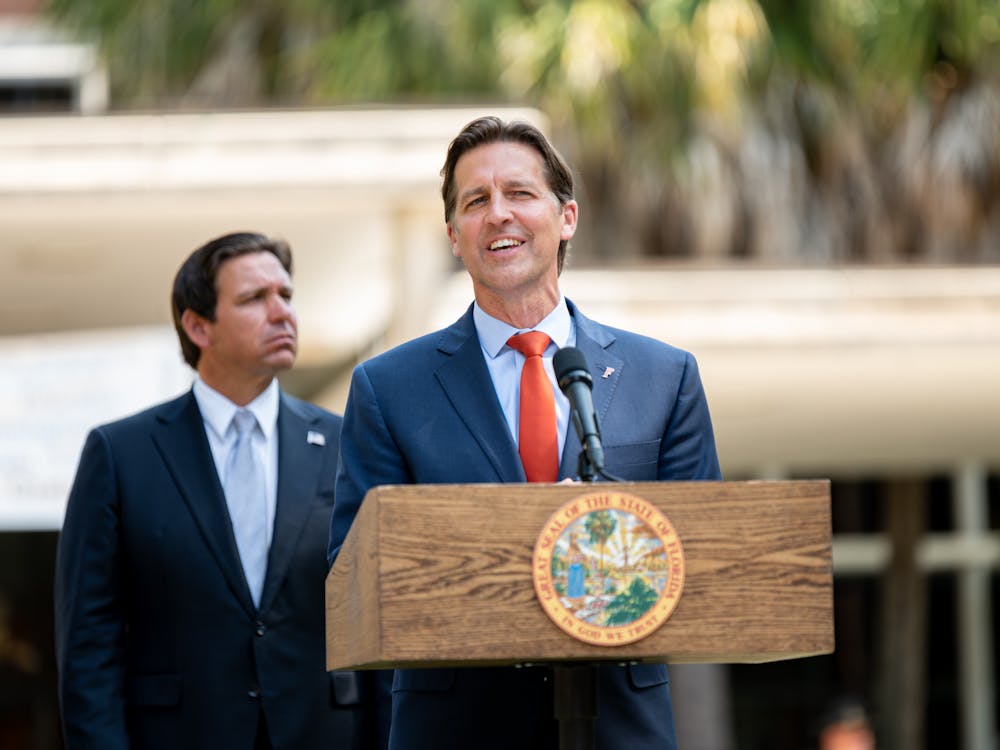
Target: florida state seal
(608, 568)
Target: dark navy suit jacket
(427, 412)
(159, 644)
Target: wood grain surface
(436, 575)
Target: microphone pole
(575, 685)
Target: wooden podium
(441, 575)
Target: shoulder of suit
(629, 344)
(309, 409)
(419, 353)
(425, 350)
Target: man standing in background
(192, 560)
(453, 407)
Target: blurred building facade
(885, 379)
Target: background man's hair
(194, 286)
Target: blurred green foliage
(601, 59)
(631, 86)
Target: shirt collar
(493, 333)
(218, 411)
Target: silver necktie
(247, 501)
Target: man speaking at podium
(478, 403)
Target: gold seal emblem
(608, 568)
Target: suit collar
(594, 342)
(179, 435)
(218, 411)
(457, 335)
(494, 333)
(467, 384)
(300, 460)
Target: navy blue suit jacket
(427, 412)
(159, 644)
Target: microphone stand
(585, 467)
(588, 472)
(575, 685)
(575, 693)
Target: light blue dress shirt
(217, 412)
(505, 363)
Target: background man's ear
(196, 328)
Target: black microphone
(575, 382)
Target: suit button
(260, 628)
(254, 692)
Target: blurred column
(977, 681)
(904, 620)
(422, 264)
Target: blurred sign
(53, 390)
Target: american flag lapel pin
(315, 438)
(607, 372)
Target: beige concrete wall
(864, 371)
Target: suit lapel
(466, 382)
(605, 369)
(299, 464)
(179, 436)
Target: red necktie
(536, 434)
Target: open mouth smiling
(505, 243)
